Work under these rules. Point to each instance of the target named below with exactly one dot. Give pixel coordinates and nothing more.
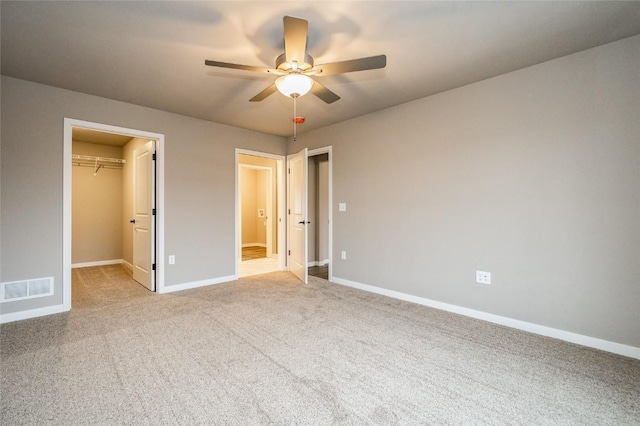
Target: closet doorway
(319, 213)
(260, 213)
(112, 203)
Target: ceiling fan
(295, 66)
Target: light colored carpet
(269, 350)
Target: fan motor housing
(284, 66)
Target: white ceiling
(152, 53)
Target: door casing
(69, 124)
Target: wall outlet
(172, 259)
(343, 255)
(483, 277)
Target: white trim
(127, 265)
(255, 245)
(66, 213)
(197, 284)
(567, 336)
(318, 262)
(69, 124)
(254, 167)
(32, 313)
(97, 263)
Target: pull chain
(295, 124)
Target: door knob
(302, 222)
(132, 221)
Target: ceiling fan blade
(239, 67)
(323, 93)
(266, 92)
(362, 64)
(295, 39)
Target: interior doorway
(113, 198)
(318, 212)
(259, 203)
(310, 213)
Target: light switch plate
(342, 207)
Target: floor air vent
(27, 289)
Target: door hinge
(289, 252)
(289, 170)
(289, 211)
(154, 156)
(153, 212)
(153, 267)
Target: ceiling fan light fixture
(294, 85)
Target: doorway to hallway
(260, 213)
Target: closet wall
(96, 207)
(254, 231)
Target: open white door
(298, 214)
(143, 219)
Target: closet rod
(100, 159)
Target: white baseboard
(254, 245)
(196, 284)
(32, 313)
(98, 263)
(567, 336)
(127, 265)
(318, 262)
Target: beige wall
(96, 207)
(254, 197)
(248, 190)
(262, 179)
(199, 184)
(532, 176)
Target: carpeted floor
(269, 350)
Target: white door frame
(69, 124)
(312, 153)
(269, 205)
(281, 219)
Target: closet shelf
(97, 162)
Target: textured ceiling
(152, 53)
